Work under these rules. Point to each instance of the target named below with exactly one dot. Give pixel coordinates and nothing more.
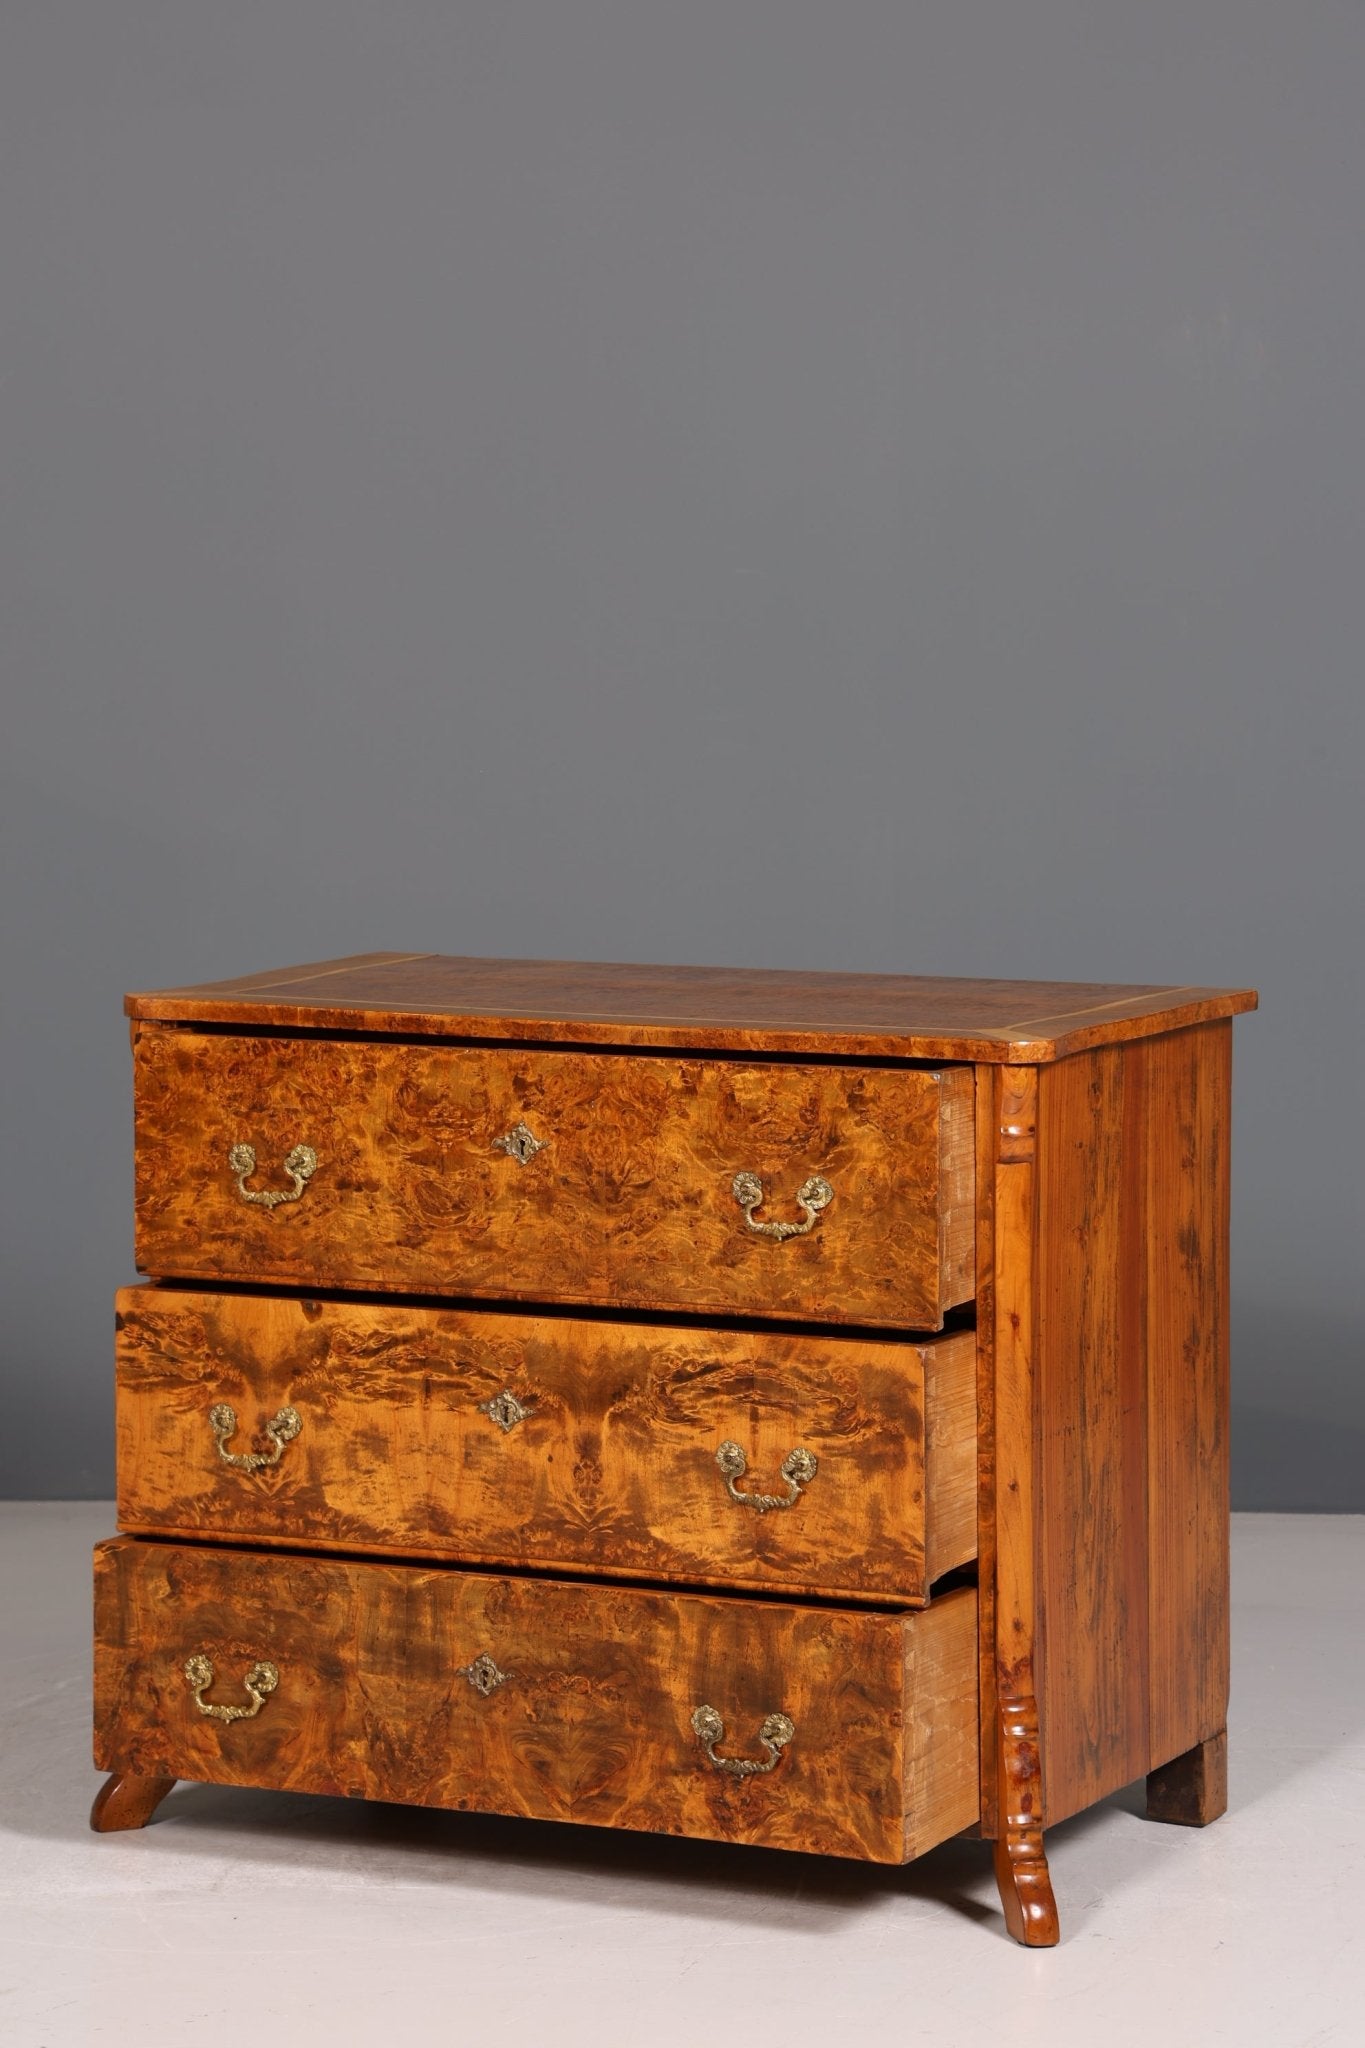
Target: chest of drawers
(778, 1408)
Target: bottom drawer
(850, 1733)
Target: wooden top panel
(857, 1016)
(694, 1008)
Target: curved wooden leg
(1020, 1860)
(1192, 1789)
(1026, 1888)
(124, 1801)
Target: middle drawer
(804, 1464)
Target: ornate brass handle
(812, 1196)
(798, 1468)
(282, 1428)
(777, 1731)
(260, 1682)
(301, 1165)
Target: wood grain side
(610, 1466)
(588, 1719)
(629, 1203)
(1187, 1082)
(1093, 1479)
(1133, 1487)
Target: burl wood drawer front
(804, 1464)
(557, 1176)
(606, 1704)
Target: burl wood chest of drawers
(780, 1408)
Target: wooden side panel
(629, 1201)
(587, 1718)
(1093, 1477)
(1187, 1081)
(1132, 1386)
(611, 1465)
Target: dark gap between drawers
(962, 1575)
(717, 1056)
(955, 1320)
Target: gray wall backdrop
(847, 486)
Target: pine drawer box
(777, 1408)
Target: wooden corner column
(1010, 1709)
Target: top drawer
(828, 1193)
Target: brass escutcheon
(520, 1143)
(506, 1410)
(483, 1674)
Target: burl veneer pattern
(611, 1468)
(629, 1203)
(591, 1721)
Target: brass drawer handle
(777, 1731)
(812, 1196)
(282, 1428)
(301, 1165)
(259, 1682)
(798, 1468)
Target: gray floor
(280, 1921)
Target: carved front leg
(1020, 1861)
(124, 1801)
